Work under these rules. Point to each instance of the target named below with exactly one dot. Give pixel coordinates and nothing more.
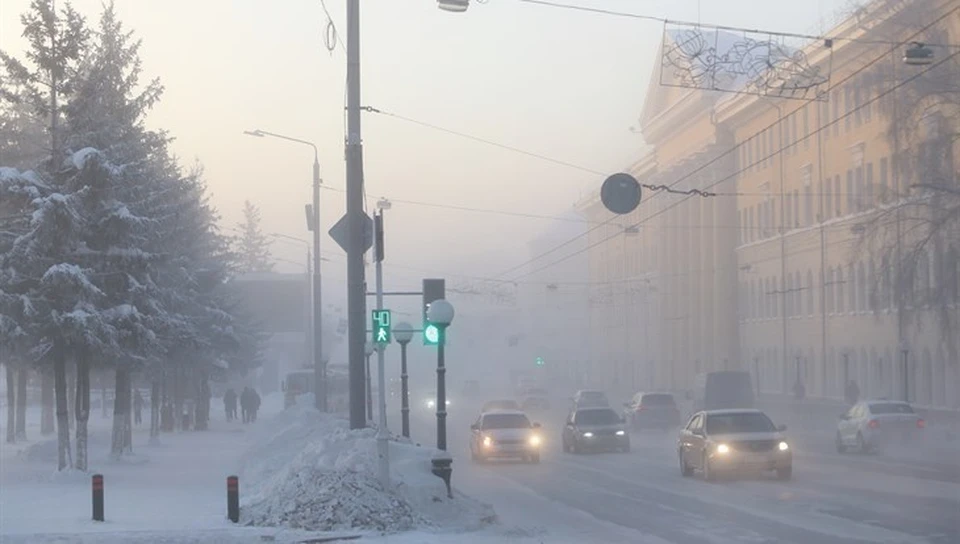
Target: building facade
(815, 263)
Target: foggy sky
(560, 83)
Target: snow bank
(308, 470)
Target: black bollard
(441, 467)
(98, 497)
(233, 498)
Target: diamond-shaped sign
(339, 232)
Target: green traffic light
(540, 361)
(431, 335)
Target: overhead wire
(779, 151)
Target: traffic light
(540, 361)
(433, 289)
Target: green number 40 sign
(381, 326)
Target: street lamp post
(403, 332)
(441, 315)
(313, 224)
(368, 350)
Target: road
(612, 497)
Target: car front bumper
(752, 461)
(509, 450)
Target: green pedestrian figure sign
(381, 326)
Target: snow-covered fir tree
(253, 247)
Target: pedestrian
(799, 391)
(245, 404)
(137, 407)
(254, 404)
(230, 404)
(851, 393)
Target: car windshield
(506, 421)
(749, 422)
(501, 405)
(658, 399)
(537, 392)
(592, 396)
(891, 408)
(596, 417)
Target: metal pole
(319, 366)
(441, 393)
(383, 448)
(356, 286)
(906, 377)
(404, 400)
(783, 241)
(369, 389)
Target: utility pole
(319, 364)
(356, 285)
(383, 448)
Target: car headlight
(535, 440)
(723, 449)
(783, 446)
(621, 433)
(588, 434)
(487, 441)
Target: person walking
(230, 404)
(254, 404)
(245, 404)
(137, 407)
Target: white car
(505, 433)
(872, 424)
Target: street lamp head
(403, 332)
(440, 313)
(918, 55)
(384, 204)
(455, 6)
(258, 133)
(368, 349)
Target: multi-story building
(809, 266)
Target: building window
(749, 148)
(810, 293)
(806, 127)
(836, 112)
(807, 178)
(788, 211)
(837, 193)
(829, 288)
(867, 104)
(770, 144)
(860, 192)
(886, 293)
(788, 297)
(864, 288)
(850, 194)
(840, 299)
(764, 153)
(847, 106)
(828, 198)
(793, 128)
(852, 292)
(857, 114)
(869, 201)
(872, 287)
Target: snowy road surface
(832, 498)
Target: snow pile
(312, 472)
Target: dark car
(723, 390)
(501, 404)
(595, 429)
(652, 411)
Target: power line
(782, 148)
(779, 151)
(666, 21)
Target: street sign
(381, 326)
(620, 193)
(340, 232)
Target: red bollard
(233, 498)
(98, 497)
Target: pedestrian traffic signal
(381, 326)
(540, 361)
(433, 289)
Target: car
(501, 404)
(726, 441)
(586, 398)
(652, 411)
(871, 425)
(536, 398)
(430, 401)
(595, 428)
(504, 434)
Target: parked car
(594, 429)
(652, 411)
(725, 441)
(871, 425)
(504, 434)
